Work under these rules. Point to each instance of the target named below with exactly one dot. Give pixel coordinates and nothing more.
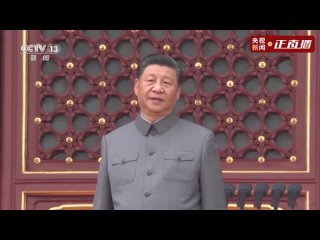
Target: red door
(55, 107)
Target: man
(159, 161)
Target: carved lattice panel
(57, 200)
(86, 91)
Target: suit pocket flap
(128, 157)
(133, 156)
(180, 156)
(186, 156)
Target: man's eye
(167, 83)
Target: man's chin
(156, 106)
(156, 109)
(155, 103)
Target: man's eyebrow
(154, 75)
(151, 75)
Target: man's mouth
(156, 99)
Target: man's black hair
(162, 60)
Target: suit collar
(161, 126)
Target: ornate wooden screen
(258, 105)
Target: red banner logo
(261, 44)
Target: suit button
(147, 194)
(151, 153)
(149, 173)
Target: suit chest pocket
(178, 166)
(123, 168)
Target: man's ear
(178, 93)
(136, 87)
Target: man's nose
(157, 87)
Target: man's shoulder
(194, 128)
(121, 131)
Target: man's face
(157, 90)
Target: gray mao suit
(171, 164)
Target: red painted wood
(13, 182)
